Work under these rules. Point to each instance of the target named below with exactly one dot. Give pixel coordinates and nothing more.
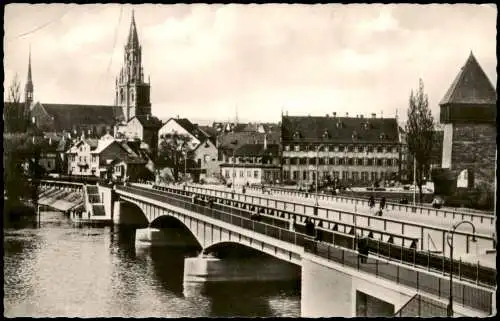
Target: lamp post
(449, 240)
(414, 178)
(185, 167)
(234, 143)
(317, 165)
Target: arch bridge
(330, 266)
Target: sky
(213, 62)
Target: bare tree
(173, 152)
(14, 90)
(420, 132)
(14, 111)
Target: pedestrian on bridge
(382, 203)
(371, 203)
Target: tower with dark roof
(132, 92)
(468, 115)
(28, 88)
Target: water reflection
(59, 269)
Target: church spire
(133, 39)
(28, 89)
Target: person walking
(371, 203)
(382, 203)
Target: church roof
(67, 116)
(339, 129)
(471, 86)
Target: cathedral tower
(132, 92)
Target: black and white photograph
(249, 160)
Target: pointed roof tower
(29, 81)
(133, 39)
(471, 86)
(28, 88)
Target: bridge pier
(211, 269)
(331, 292)
(163, 237)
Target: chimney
(374, 115)
(334, 114)
(265, 141)
(347, 114)
(361, 116)
(327, 116)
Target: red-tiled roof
(339, 129)
(471, 86)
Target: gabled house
(144, 128)
(201, 148)
(253, 164)
(107, 158)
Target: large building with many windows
(356, 150)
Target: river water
(57, 269)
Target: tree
(14, 115)
(420, 132)
(172, 152)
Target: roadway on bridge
(431, 220)
(476, 250)
(431, 238)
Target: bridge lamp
(449, 240)
(317, 171)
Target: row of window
(346, 175)
(251, 160)
(242, 173)
(83, 159)
(268, 175)
(341, 148)
(341, 161)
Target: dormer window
(366, 125)
(340, 124)
(296, 135)
(354, 135)
(382, 136)
(326, 134)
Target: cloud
(206, 59)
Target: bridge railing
(462, 239)
(225, 210)
(420, 306)
(463, 293)
(407, 208)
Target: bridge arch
(171, 224)
(132, 213)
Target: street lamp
(449, 240)
(317, 165)
(234, 143)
